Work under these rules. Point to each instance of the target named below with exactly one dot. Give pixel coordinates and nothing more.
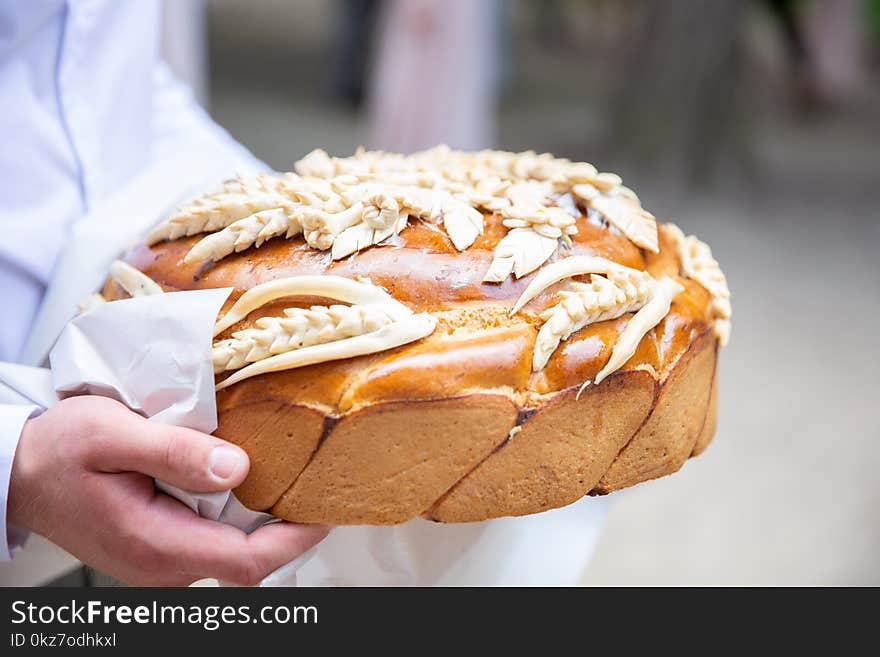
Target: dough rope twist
(697, 263)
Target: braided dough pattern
(698, 264)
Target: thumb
(182, 457)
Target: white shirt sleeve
(177, 116)
(74, 133)
(12, 419)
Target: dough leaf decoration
(520, 252)
(622, 209)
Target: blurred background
(753, 123)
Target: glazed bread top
(431, 266)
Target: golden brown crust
(387, 463)
(485, 360)
(420, 267)
(558, 455)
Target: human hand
(82, 477)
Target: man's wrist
(13, 419)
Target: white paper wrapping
(153, 354)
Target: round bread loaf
(593, 382)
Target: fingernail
(224, 461)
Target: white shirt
(87, 105)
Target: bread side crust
(279, 439)
(557, 456)
(450, 459)
(667, 438)
(711, 421)
(389, 462)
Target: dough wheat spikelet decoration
(341, 214)
(374, 322)
(587, 303)
(244, 233)
(231, 201)
(299, 328)
(348, 204)
(621, 290)
(496, 181)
